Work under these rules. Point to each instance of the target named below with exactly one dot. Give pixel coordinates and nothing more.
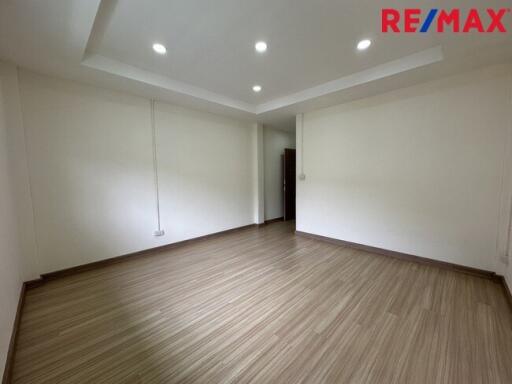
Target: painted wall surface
(17, 247)
(275, 141)
(258, 173)
(205, 172)
(91, 164)
(417, 170)
(505, 268)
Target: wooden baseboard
(404, 256)
(399, 255)
(508, 293)
(277, 219)
(33, 283)
(119, 259)
(7, 376)
(11, 352)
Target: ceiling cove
(109, 65)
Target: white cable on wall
(159, 231)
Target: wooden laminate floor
(265, 306)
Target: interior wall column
(258, 174)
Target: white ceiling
(211, 64)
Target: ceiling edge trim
(407, 63)
(119, 68)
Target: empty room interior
(286, 191)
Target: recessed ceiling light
(260, 46)
(364, 44)
(256, 88)
(159, 48)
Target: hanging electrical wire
(159, 231)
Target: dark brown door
(289, 184)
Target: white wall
(17, 248)
(275, 141)
(417, 170)
(505, 244)
(90, 161)
(205, 172)
(258, 173)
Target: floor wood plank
(265, 306)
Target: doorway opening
(279, 175)
(289, 181)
